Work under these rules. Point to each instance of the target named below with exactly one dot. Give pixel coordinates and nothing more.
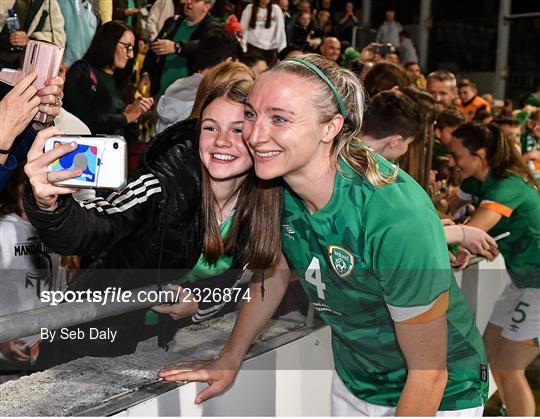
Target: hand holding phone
(61, 164)
(44, 59)
(36, 168)
(101, 161)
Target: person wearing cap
(351, 54)
(369, 250)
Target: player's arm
(415, 277)
(253, 316)
(500, 201)
(485, 218)
(424, 346)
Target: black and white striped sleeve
(89, 227)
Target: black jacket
(153, 64)
(149, 233)
(154, 222)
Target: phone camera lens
(115, 146)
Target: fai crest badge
(341, 259)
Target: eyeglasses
(129, 47)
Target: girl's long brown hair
(502, 156)
(255, 233)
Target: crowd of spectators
(148, 69)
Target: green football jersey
(519, 204)
(373, 256)
(469, 190)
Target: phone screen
(84, 157)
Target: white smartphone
(103, 159)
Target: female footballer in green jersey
(509, 202)
(369, 250)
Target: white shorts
(517, 311)
(344, 403)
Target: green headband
(317, 70)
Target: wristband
(463, 231)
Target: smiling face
(221, 148)
(331, 49)
(124, 50)
(282, 128)
(470, 165)
(442, 91)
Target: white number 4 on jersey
(313, 276)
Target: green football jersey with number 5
(372, 257)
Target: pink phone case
(44, 59)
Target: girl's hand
(12, 351)
(145, 104)
(37, 170)
(51, 97)
(462, 259)
(478, 242)
(219, 374)
(183, 308)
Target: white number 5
(313, 276)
